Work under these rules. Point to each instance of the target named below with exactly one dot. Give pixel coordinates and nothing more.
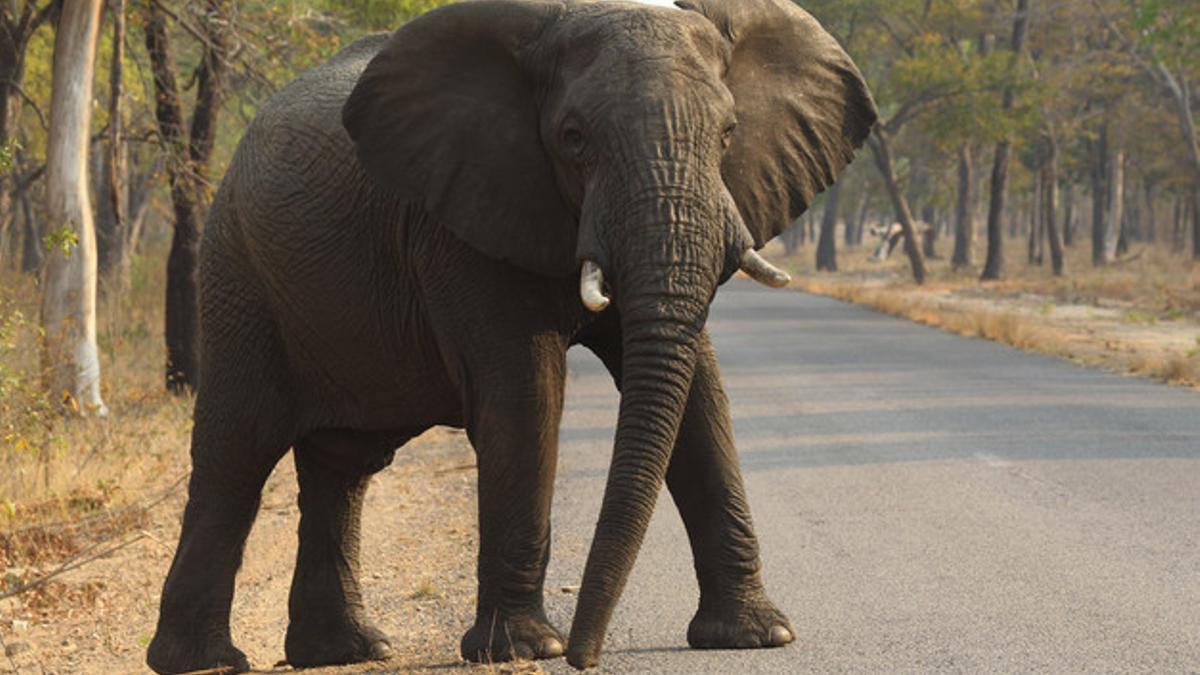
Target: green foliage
(25, 416)
(7, 152)
(1169, 28)
(64, 239)
(379, 15)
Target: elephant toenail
(522, 650)
(381, 651)
(780, 636)
(552, 648)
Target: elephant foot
(178, 654)
(751, 623)
(322, 644)
(512, 637)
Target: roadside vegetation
(1141, 316)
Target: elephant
(890, 237)
(415, 232)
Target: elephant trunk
(660, 325)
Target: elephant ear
(802, 106)
(446, 116)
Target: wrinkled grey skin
(397, 245)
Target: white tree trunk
(70, 359)
(1116, 205)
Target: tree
(18, 24)
(827, 243)
(70, 358)
(993, 268)
(964, 211)
(116, 253)
(189, 156)
(1049, 191)
(1167, 50)
(881, 148)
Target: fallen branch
(161, 497)
(73, 563)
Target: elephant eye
(727, 134)
(573, 140)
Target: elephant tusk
(591, 283)
(762, 271)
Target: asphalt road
(924, 502)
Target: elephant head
(652, 147)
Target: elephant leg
(232, 456)
(328, 623)
(514, 428)
(243, 424)
(706, 485)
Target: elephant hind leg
(328, 623)
(232, 459)
(244, 423)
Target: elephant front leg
(706, 484)
(515, 435)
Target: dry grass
(1153, 289)
(997, 326)
(69, 485)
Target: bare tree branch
(32, 103)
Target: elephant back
(295, 174)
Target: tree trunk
(1050, 208)
(181, 308)
(1178, 230)
(188, 175)
(994, 267)
(930, 236)
(1195, 224)
(31, 249)
(12, 66)
(860, 224)
(1115, 205)
(70, 359)
(827, 244)
(791, 237)
(881, 149)
(1036, 256)
(1100, 162)
(140, 192)
(112, 237)
(1133, 211)
(964, 211)
(1068, 223)
(849, 238)
(1149, 195)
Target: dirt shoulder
(1132, 319)
(418, 569)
